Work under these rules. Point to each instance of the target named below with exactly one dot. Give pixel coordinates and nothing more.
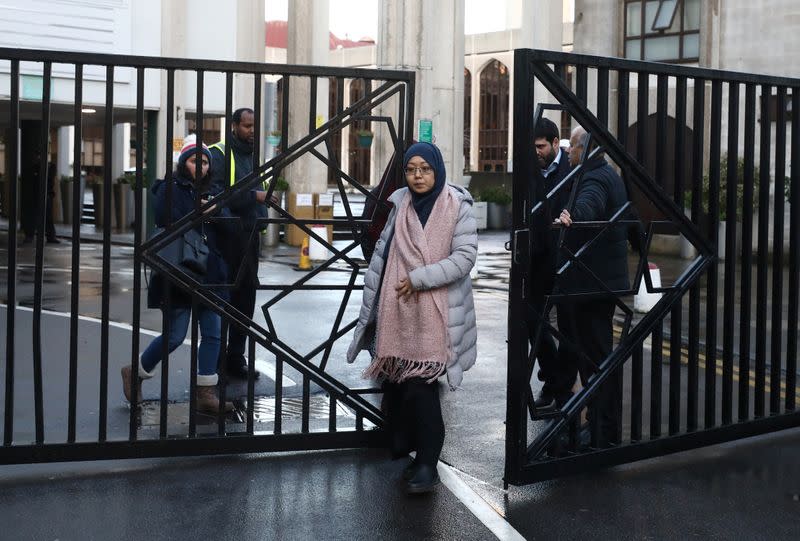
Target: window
(493, 118)
(662, 30)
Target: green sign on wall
(32, 87)
(425, 130)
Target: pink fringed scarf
(412, 336)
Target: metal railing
(699, 392)
(390, 91)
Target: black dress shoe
(424, 480)
(546, 401)
(239, 371)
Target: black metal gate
(327, 411)
(684, 140)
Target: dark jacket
(377, 206)
(244, 204)
(601, 193)
(544, 238)
(183, 203)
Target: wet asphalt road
(741, 490)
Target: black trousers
(556, 369)
(243, 297)
(414, 415)
(589, 328)
(546, 351)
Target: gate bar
(729, 306)
(763, 256)
(137, 243)
(108, 210)
(676, 317)
(77, 211)
(794, 258)
(713, 270)
(777, 254)
(12, 147)
(41, 220)
(167, 286)
(745, 287)
(698, 144)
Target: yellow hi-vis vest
(221, 147)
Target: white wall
(760, 37)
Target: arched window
(467, 115)
(359, 157)
(493, 134)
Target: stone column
(540, 27)
(66, 146)
(249, 47)
(308, 44)
(173, 44)
(598, 31)
(121, 139)
(428, 37)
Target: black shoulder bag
(189, 252)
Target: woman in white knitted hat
(189, 179)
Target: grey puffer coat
(452, 272)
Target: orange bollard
(305, 262)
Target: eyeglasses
(424, 170)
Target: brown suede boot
(127, 384)
(206, 400)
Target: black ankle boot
(424, 480)
(410, 470)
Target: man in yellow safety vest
(249, 206)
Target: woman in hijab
(417, 316)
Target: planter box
(498, 216)
(67, 203)
(480, 210)
(123, 206)
(100, 214)
(271, 234)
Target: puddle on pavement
(264, 409)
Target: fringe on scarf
(399, 370)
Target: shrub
(723, 189)
(281, 185)
(495, 194)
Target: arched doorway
(493, 122)
(666, 177)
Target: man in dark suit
(588, 324)
(554, 164)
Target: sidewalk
(88, 232)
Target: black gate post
(516, 388)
